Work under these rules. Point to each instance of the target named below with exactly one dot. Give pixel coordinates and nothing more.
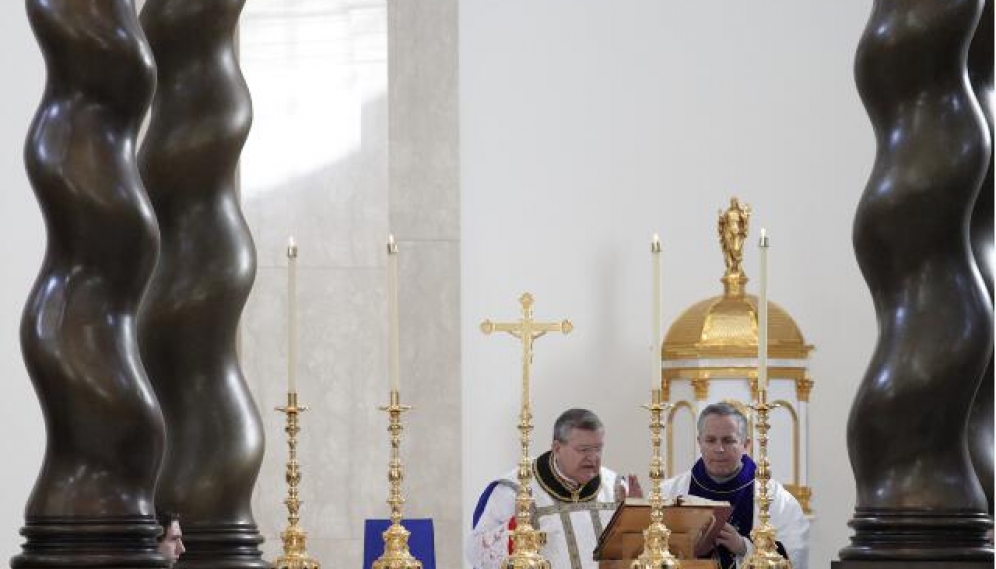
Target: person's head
(722, 431)
(577, 444)
(171, 540)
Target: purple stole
(739, 492)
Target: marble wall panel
(315, 164)
(340, 349)
(424, 130)
(424, 214)
(432, 362)
(431, 358)
(337, 123)
(337, 553)
(330, 213)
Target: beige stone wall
(349, 145)
(425, 214)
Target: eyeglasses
(587, 450)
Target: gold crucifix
(526, 539)
(527, 330)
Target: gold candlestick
(656, 554)
(295, 553)
(526, 540)
(396, 554)
(765, 554)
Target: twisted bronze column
(980, 423)
(917, 494)
(92, 504)
(200, 119)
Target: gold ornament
(526, 540)
(656, 554)
(765, 554)
(396, 554)
(295, 554)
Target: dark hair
(724, 409)
(165, 519)
(575, 419)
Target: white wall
(586, 127)
(21, 248)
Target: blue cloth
(482, 503)
(421, 542)
(739, 492)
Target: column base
(93, 543)
(908, 536)
(221, 546)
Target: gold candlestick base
(765, 554)
(526, 543)
(295, 554)
(655, 549)
(530, 560)
(396, 554)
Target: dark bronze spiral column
(200, 119)
(917, 494)
(980, 424)
(92, 504)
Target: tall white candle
(392, 312)
(762, 306)
(291, 315)
(655, 320)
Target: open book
(694, 523)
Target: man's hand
(730, 539)
(634, 487)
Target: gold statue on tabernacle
(733, 226)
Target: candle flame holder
(396, 554)
(656, 553)
(765, 554)
(295, 554)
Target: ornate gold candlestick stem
(765, 554)
(295, 553)
(656, 554)
(526, 539)
(396, 554)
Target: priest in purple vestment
(725, 472)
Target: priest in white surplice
(725, 472)
(574, 497)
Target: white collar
(556, 470)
